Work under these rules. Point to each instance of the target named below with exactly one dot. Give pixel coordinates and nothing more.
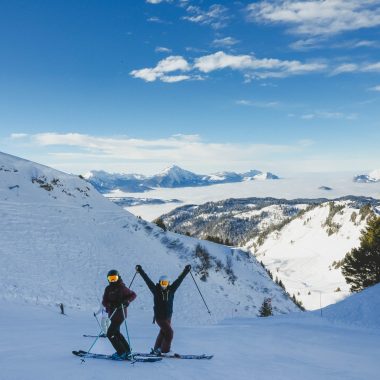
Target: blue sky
(134, 86)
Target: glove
(94, 314)
(138, 268)
(187, 268)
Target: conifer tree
(361, 266)
(160, 223)
(266, 308)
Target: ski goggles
(113, 278)
(164, 283)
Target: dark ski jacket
(116, 294)
(163, 298)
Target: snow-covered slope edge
(362, 309)
(59, 237)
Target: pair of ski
(135, 358)
(141, 356)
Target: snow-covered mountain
(373, 176)
(174, 176)
(300, 241)
(171, 177)
(59, 237)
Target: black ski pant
(165, 336)
(117, 339)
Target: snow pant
(165, 336)
(117, 339)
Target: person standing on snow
(117, 297)
(163, 293)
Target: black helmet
(113, 275)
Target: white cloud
(364, 43)
(356, 67)
(174, 78)
(306, 44)
(216, 16)
(372, 67)
(345, 68)
(16, 136)
(329, 115)
(317, 17)
(226, 41)
(251, 66)
(278, 68)
(375, 88)
(97, 151)
(161, 49)
(169, 64)
(158, 1)
(157, 20)
(252, 103)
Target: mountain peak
(174, 169)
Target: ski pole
(132, 280)
(97, 320)
(96, 339)
(200, 293)
(126, 329)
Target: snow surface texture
(303, 186)
(59, 237)
(297, 346)
(360, 309)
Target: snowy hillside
(235, 220)
(59, 237)
(300, 241)
(305, 252)
(373, 176)
(171, 177)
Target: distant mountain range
(374, 176)
(171, 177)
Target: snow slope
(59, 237)
(360, 309)
(293, 347)
(305, 253)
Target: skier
(117, 296)
(105, 321)
(163, 293)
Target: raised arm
(180, 278)
(145, 277)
